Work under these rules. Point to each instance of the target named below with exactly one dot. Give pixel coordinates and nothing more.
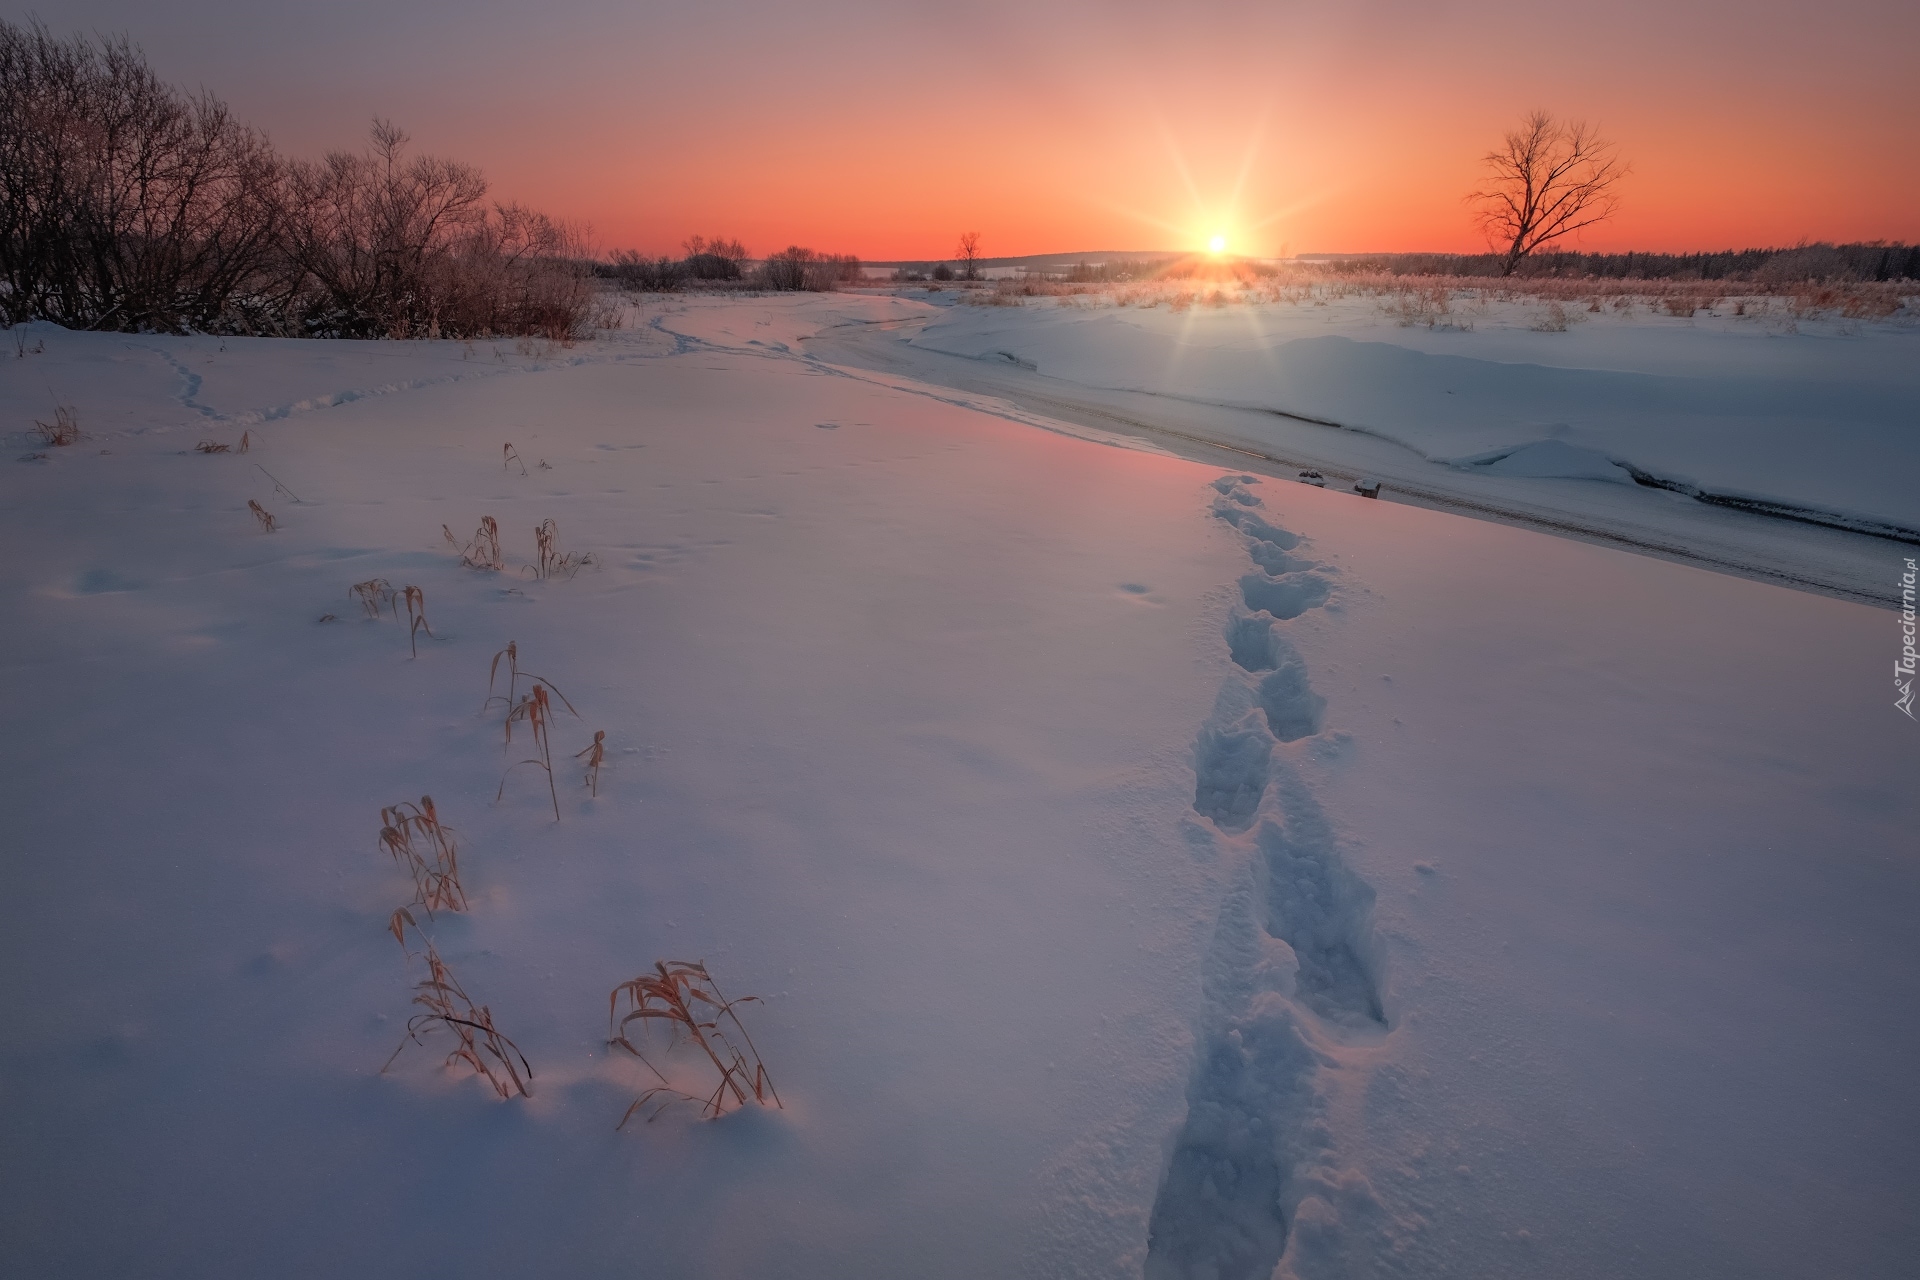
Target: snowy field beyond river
(1754, 442)
(1146, 868)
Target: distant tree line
(128, 204)
(723, 263)
(714, 260)
(1865, 261)
(1117, 270)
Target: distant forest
(1828, 263)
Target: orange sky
(882, 130)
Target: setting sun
(1217, 244)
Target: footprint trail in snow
(1293, 980)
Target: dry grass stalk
(484, 551)
(684, 996)
(413, 835)
(550, 560)
(1554, 319)
(509, 458)
(480, 1045)
(596, 754)
(267, 523)
(537, 710)
(416, 617)
(246, 442)
(212, 446)
(397, 926)
(63, 430)
(1311, 286)
(375, 593)
(547, 537)
(512, 654)
(514, 675)
(277, 486)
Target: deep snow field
(1660, 433)
(1146, 868)
(1741, 405)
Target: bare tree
(642, 274)
(713, 259)
(371, 228)
(1548, 180)
(968, 252)
(124, 203)
(797, 268)
(788, 268)
(128, 204)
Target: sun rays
(1223, 205)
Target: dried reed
(397, 926)
(63, 430)
(480, 1045)
(550, 560)
(484, 551)
(684, 996)
(416, 617)
(374, 593)
(413, 835)
(211, 446)
(267, 523)
(537, 710)
(277, 486)
(512, 654)
(596, 754)
(514, 675)
(509, 457)
(547, 537)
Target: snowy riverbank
(1124, 849)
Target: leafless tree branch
(1548, 180)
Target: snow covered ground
(1146, 868)
(1489, 413)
